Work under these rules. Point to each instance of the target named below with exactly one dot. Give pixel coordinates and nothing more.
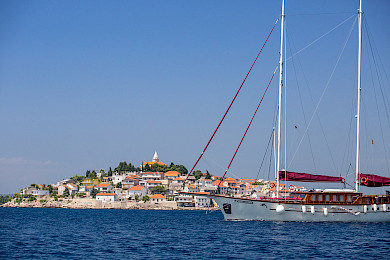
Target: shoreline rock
(95, 204)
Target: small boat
(334, 205)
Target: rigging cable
(319, 38)
(265, 154)
(246, 131)
(273, 141)
(323, 93)
(379, 57)
(231, 103)
(321, 13)
(210, 161)
(301, 102)
(375, 95)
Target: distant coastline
(153, 185)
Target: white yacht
(323, 205)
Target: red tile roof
(103, 185)
(150, 163)
(215, 183)
(172, 173)
(138, 187)
(105, 194)
(203, 193)
(157, 196)
(154, 182)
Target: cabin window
(327, 197)
(349, 198)
(341, 197)
(313, 197)
(334, 197)
(320, 197)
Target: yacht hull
(237, 209)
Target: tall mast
(357, 181)
(280, 101)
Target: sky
(88, 84)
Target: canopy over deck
(371, 180)
(306, 177)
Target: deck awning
(306, 177)
(371, 180)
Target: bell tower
(155, 157)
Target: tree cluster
(198, 174)
(128, 167)
(4, 199)
(94, 192)
(157, 189)
(78, 179)
(164, 168)
(124, 167)
(92, 175)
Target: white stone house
(178, 180)
(137, 190)
(71, 188)
(191, 188)
(117, 179)
(202, 201)
(104, 187)
(40, 192)
(185, 200)
(157, 198)
(29, 190)
(152, 176)
(107, 197)
(129, 182)
(61, 190)
(205, 183)
(151, 184)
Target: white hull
(245, 209)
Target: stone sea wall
(47, 202)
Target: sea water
(139, 234)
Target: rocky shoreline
(48, 202)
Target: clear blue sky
(87, 84)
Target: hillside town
(130, 187)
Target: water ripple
(140, 234)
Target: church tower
(155, 157)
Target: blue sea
(141, 234)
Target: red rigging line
(231, 103)
(250, 123)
